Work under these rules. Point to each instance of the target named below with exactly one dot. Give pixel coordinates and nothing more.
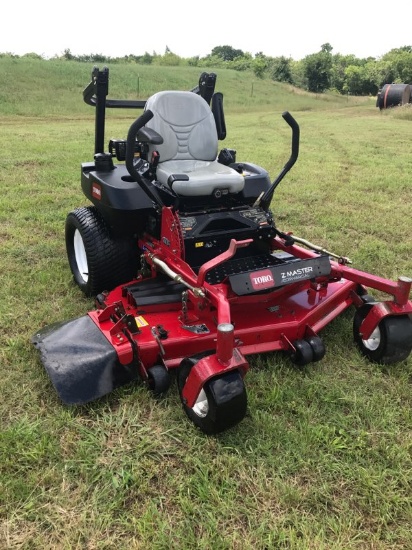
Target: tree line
(318, 72)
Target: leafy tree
(32, 55)
(280, 70)
(92, 58)
(193, 61)
(168, 59)
(227, 53)
(338, 76)
(406, 49)
(384, 72)
(317, 69)
(9, 54)
(400, 61)
(67, 54)
(146, 59)
(242, 63)
(298, 74)
(327, 48)
(354, 80)
(212, 61)
(259, 67)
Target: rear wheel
(221, 403)
(390, 342)
(97, 260)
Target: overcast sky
(189, 27)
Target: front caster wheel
(390, 342)
(318, 347)
(158, 379)
(221, 403)
(303, 354)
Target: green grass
(323, 459)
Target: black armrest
(176, 177)
(148, 135)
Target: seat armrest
(176, 177)
(148, 135)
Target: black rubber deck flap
(81, 362)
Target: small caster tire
(303, 354)
(390, 342)
(221, 403)
(158, 379)
(318, 347)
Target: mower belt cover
(280, 275)
(81, 362)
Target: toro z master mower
(189, 271)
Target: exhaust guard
(82, 364)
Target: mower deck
(272, 323)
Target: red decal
(96, 191)
(262, 279)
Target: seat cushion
(204, 177)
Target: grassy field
(323, 459)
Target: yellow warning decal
(199, 245)
(141, 321)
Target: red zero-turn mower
(189, 271)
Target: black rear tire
(390, 342)
(222, 402)
(98, 261)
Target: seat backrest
(187, 126)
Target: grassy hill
(34, 87)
